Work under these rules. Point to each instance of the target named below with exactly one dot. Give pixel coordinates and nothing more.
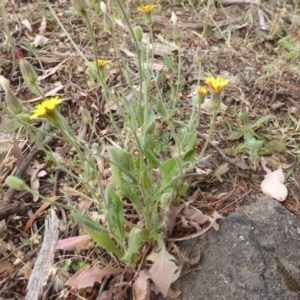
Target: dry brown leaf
(172, 215)
(6, 266)
(76, 242)
(273, 184)
(88, 276)
(106, 295)
(41, 209)
(191, 261)
(17, 152)
(53, 70)
(174, 294)
(164, 270)
(141, 287)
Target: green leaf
(150, 120)
(88, 222)
(160, 107)
(115, 212)
(248, 133)
(253, 144)
(104, 241)
(169, 168)
(122, 163)
(169, 62)
(151, 158)
(235, 135)
(275, 146)
(262, 120)
(134, 245)
(242, 147)
(189, 156)
(131, 193)
(230, 151)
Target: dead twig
(41, 268)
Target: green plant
(141, 174)
(252, 143)
(291, 45)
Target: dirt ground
(256, 47)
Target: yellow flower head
(102, 63)
(202, 91)
(147, 9)
(216, 84)
(45, 108)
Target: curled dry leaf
(164, 270)
(141, 287)
(88, 276)
(76, 242)
(273, 184)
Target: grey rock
(254, 255)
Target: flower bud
(13, 104)
(215, 101)
(80, 6)
(15, 183)
(138, 33)
(174, 18)
(177, 33)
(29, 74)
(199, 55)
(24, 117)
(103, 7)
(201, 94)
(27, 70)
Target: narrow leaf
(104, 241)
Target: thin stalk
(137, 46)
(6, 29)
(91, 32)
(66, 32)
(212, 127)
(199, 159)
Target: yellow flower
(202, 91)
(216, 84)
(147, 9)
(45, 108)
(102, 63)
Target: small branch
(262, 22)
(40, 273)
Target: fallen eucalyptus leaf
(273, 184)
